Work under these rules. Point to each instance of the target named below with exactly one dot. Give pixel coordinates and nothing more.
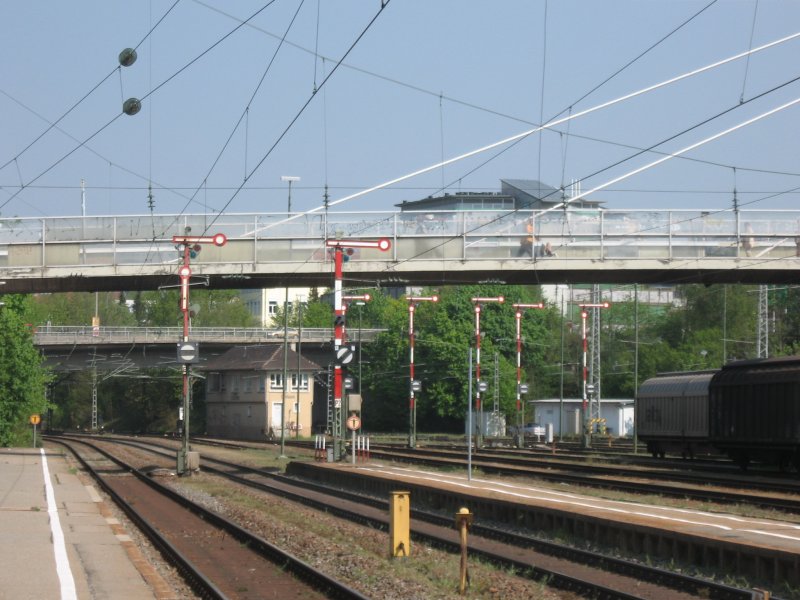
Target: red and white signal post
(413, 384)
(520, 437)
(587, 436)
(343, 354)
(189, 245)
(480, 387)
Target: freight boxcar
(672, 413)
(754, 411)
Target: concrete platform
(766, 549)
(61, 540)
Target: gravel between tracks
(355, 554)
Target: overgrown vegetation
(706, 325)
(22, 377)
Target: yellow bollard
(463, 521)
(399, 524)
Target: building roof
(531, 193)
(459, 201)
(514, 194)
(533, 188)
(258, 358)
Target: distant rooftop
(515, 194)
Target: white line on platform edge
(59, 547)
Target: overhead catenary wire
(150, 93)
(565, 202)
(285, 131)
(92, 151)
(687, 149)
(314, 52)
(541, 91)
(747, 62)
(649, 165)
(89, 93)
(548, 125)
(246, 112)
(643, 53)
(384, 4)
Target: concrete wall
(245, 412)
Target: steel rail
(678, 581)
(201, 585)
(305, 572)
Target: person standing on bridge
(748, 241)
(797, 241)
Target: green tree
(22, 375)
(728, 313)
(444, 333)
(210, 308)
(220, 308)
(78, 308)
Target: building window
(214, 382)
(234, 383)
(249, 411)
(273, 307)
(248, 383)
(303, 381)
(276, 381)
(261, 383)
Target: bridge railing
(432, 235)
(87, 335)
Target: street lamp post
(413, 385)
(341, 353)
(190, 246)
(360, 304)
(519, 438)
(358, 301)
(587, 437)
(289, 179)
(478, 302)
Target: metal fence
(441, 235)
(47, 335)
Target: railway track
(651, 477)
(581, 571)
(216, 557)
(701, 482)
(703, 487)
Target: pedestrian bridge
(435, 248)
(119, 349)
(69, 335)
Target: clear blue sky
(429, 79)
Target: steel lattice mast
(763, 321)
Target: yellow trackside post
(399, 524)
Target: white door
(275, 422)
